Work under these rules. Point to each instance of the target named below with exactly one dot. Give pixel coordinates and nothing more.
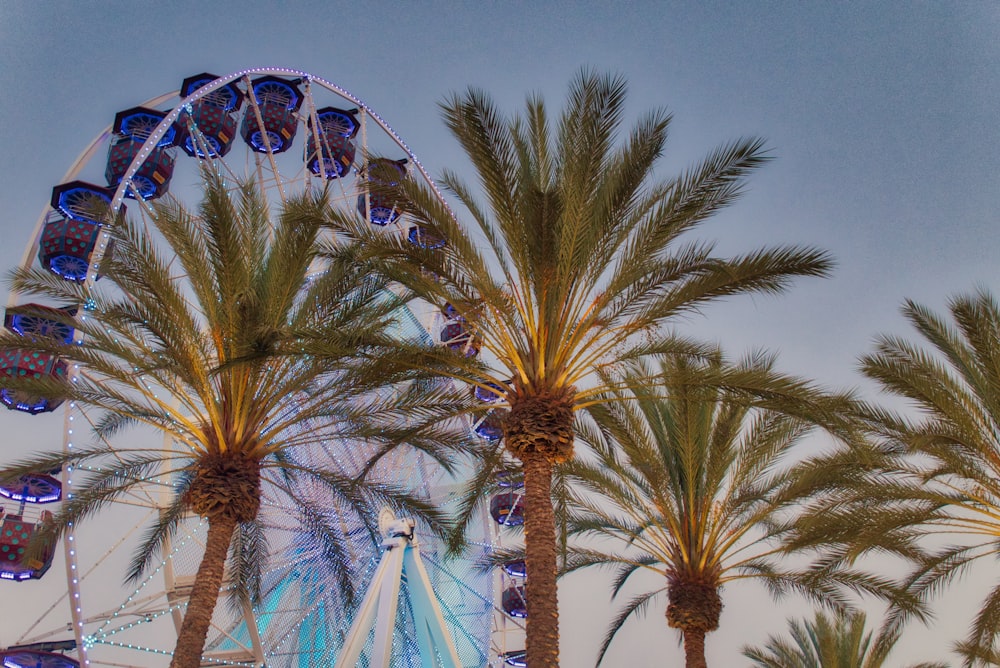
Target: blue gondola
(490, 394)
(451, 313)
(36, 659)
(36, 321)
(84, 202)
(510, 479)
(516, 568)
(37, 488)
(517, 658)
(418, 235)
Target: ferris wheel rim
(154, 138)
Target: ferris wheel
(291, 131)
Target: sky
(881, 118)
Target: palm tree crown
(686, 480)
(575, 262)
(201, 327)
(839, 640)
(932, 472)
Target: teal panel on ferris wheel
(315, 645)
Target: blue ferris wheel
(292, 131)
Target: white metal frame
(378, 610)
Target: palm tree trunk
(540, 558)
(694, 648)
(204, 593)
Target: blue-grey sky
(882, 118)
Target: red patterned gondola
(15, 561)
(381, 172)
(336, 129)
(67, 245)
(278, 102)
(209, 126)
(459, 337)
(15, 362)
(30, 321)
(131, 129)
(507, 508)
(514, 602)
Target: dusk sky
(882, 119)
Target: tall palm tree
(201, 328)
(690, 486)
(934, 471)
(574, 262)
(839, 640)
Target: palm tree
(932, 472)
(201, 328)
(839, 640)
(575, 262)
(686, 482)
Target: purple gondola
(333, 156)
(490, 394)
(381, 173)
(209, 126)
(131, 129)
(15, 534)
(507, 508)
(33, 488)
(36, 321)
(514, 602)
(278, 102)
(459, 337)
(418, 235)
(510, 479)
(451, 313)
(36, 659)
(83, 202)
(491, 426)
(516, 568)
